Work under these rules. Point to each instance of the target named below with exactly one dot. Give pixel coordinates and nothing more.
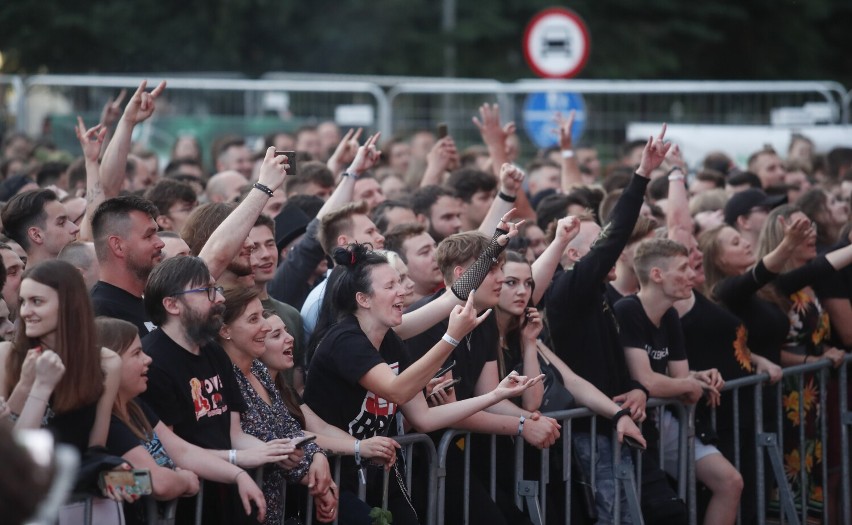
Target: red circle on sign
(561, 11)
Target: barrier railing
(794, 406)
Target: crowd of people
(330, 291)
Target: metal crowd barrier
(769, 444)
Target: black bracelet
(507, 198)
(674, 169)
(639, 386)
(265, 189)
(620, 414)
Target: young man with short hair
(37, 221)
(653, 340)
(417, 249)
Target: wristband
(676, 176)
(507, 198)
(804, 361)
(38, 398)
(358, 451)
(451, 340)
(349, 174)
(639, 386)
(567, 153)
(232, 456)
(262, 187)
(521, 425)
(620, 414)
(238, 475)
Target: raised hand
(345, 152)
(567, 228)
(463, 319)
(566, 141)
(112, 109)
(91, 140)
(273, 171)
(443, 156)
(654, 154)
(511, 179)
(493, 134)
(142, 103)
(511, 227)
(797, 232)
(366, 157)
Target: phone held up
(291, 160)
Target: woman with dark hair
(828, 213)
(138, 435)
(59, 378)
(243, 336)
(360, 374)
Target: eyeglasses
(211, 291)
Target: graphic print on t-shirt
(206, 397)
(375, 415)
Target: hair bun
(351, 255)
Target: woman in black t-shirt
(360, 374)
(136, 434)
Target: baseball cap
(744, 202)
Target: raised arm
(401, 388)
(227, 240)
(441, 158)
(511, 178)
(111, 365)
(140, 107)
(495, 135)
(345, 151)
(571, 175)
(91, 141)
(544, 267)
(677, 216)
(365, 158)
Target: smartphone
(136, 481)
(446, 369)
(291, 160)
(447, 388)
(305, 441)
(443, 130)
(632, 443)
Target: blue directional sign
(539, 116)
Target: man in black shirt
(653, 342)
(584, 333)
(191, 384)
(126, 243)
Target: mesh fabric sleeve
(475, 274)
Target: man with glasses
(191, 383)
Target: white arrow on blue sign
(539, 116)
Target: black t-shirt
(477, 348)
(332, 390)
(122, 440)
(195, 394)
(112, 301)
(663, 343)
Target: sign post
(556, 43)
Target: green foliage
(719, 39)
(381, 517)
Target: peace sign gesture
(510, 227)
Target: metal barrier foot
(769, 441)
(528, 491)
(624, 472)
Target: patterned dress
(272, 421)
(809, 330)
